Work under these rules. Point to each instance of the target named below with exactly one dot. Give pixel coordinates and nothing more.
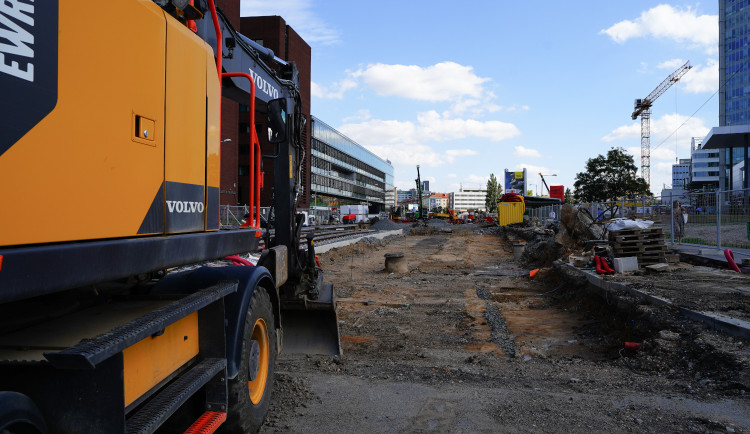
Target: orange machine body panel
(127, 138)
(153, 359)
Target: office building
(345, 173)
(466, 199)
(722, 157)
(734, 75)
(681, 173)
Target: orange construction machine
(109, 121)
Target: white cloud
(359, 116)
(446, 81)
(451, 175)
(433, 126)
(298, 14)
(520, 151)
(624, 132)
(669, 22)
(534, 170)
(453, 153)
(671, 64)
(702, 78)
(474, 181)
(662, 128)
(430, 126)
(335, 91)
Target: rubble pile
(544, 245)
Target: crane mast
(642, 108)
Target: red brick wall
(229, 122)
(229, 153)
(289, 46)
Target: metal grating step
(208, 423)
(165, 403)
(88, 353)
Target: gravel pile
(386, 225)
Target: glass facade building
(734, 54)
(345, 173)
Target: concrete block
(580, 261)
(623, 265)
(659, 268)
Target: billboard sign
(515, 182)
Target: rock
(669, 335)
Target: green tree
(493, 194)
(568, 196)
(609, 178)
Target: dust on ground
(466, 342)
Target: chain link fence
(713, 219)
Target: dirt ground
(467, 342)
(698, 288)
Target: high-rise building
(723, 155)
(734, 72)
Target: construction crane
(419, 193)
(545, 182)
(643, 109)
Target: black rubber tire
(244, 416)
(19, 414)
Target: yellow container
(510, 212)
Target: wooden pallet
(645, 244)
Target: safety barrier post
(718, 219)
(671, 218)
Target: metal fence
(233, 215)
(714, 219)
(543, 213)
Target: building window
(243, 170)
(244, 108)
(244, 149)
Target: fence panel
(734, 215)
(544, 213)
(697, 223)
(233, 215)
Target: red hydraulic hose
(219, 40)
(238, 261)
(730, 258)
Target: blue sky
(465, 90)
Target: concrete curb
(380, 235)
(728, 325)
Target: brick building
(271, 32)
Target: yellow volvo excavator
(109, 136)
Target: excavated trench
(472, 289)
(549, 321)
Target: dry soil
(467, 342)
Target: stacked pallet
(646, 244)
